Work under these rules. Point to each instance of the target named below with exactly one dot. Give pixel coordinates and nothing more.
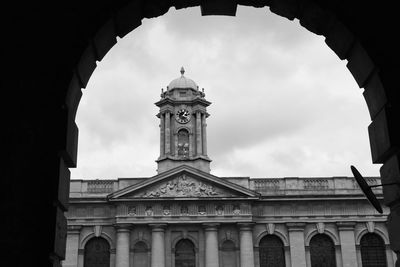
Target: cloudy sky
(283, 104)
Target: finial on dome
(182, 71)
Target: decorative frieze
(183, 186)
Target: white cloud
(283, 103)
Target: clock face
(182, 115)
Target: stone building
(185, 216)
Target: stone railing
(100, 186)
(311, 186)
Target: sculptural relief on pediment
(183, 186)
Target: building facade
(186, 217)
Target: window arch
(140, 255)
(185, 255)
(272, 253)
(373, 252)
(322, 251)
(183, 143)
(97, 253)
(228, 254)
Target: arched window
(322, 251)
(140, 255)
(271, 251)
(97, 253)
(185, 255)
(183, 143)
(373, 252)
(228, 254)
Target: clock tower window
(183, 143)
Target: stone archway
(315, 17)
(44, 77)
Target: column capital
(246, 226)
(346, 225)
(210, 226)
(158, 227)
(74, 229)
(123, 227)
(295, 226)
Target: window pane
(322, 251)
(97, 253)
(185, 254)
(373, 252)
(271, 251)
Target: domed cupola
(182, 88)
(182, 82)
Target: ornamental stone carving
(166, 210)
(183, 186)
(149, 211)
(236, 210)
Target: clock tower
(183, 138)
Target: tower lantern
(183, 136)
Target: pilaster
(204, 133)
(167, 133)
(123, 245)
(72, 255)
(198, 134)
(158, 245)
(162, 135)
(296, 243)
(348, 243)
(246, 244)
(211, 245)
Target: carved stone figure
(183, 186)
(166, 210)
(202, 210)
(220, 210)
(184, 210)
(236, 210)
(149, 211)
(132, 210)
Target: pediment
(183, 182)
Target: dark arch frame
(41, 132)
(100, 248)
(322, 251)
(271, 244)
(185, 255)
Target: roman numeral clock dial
(182, 116)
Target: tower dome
(182, 82)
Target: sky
(283, 104)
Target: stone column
(162, 135)
(191, 146)
(204, 133)
(198, 133)
(71, 254)
(348, 243)
(122, 246)
(167, 133)
(157, 245)
(296, 243)
(211, 246)
(246, 244)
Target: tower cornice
(170, 101)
